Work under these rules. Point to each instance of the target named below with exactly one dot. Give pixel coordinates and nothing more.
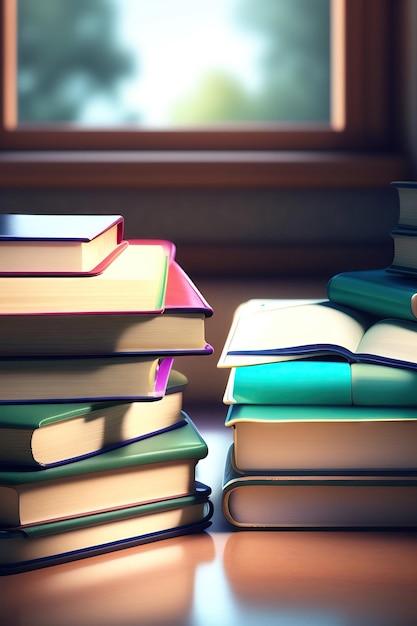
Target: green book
(321, 383)
(46, 434)
(41, 545)
(323, 438)
(269, 331)
(377, 291)
(315, 501)
(151, 469)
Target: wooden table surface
(224, 576)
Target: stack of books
(322, 400)
(96, 451)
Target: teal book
(268, 331)
(315, 382)
(323, 438)
(377, 291)
(314, 501)
(151, 469)
(48, 434)
(41, 545)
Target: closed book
(267, 331)
(47, 434)
(318, 502)
(59, 244)
(83, 379)
(378, 292)
(316, 382)
(41, 545)
(405, 246)
(179, 328)
(148, 470)
(135, 281)
(407, 197)
(323, 438)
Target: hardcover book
(84, 379)
(407, 197)
(40, 545)
(48, 434)
(319, 502)
(59, 244)
(267, 331)
(296, 438)
(152, 469)
(377, 292)
(135, 281)
(179, 328)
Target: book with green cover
(327, 438)
(267, 331)
(40, 545)
(321, 383)
(314, 501)
(377, 292)
(46, 434)
(151, 469)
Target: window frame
(265, 155)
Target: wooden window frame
(354, 150)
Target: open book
(268, 331)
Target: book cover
(270, 331)
(316, 382)
(179, 328)
(342, 439)
(318, 502)
(378, 292)
(41, 545)
(34, 244)
(47, 434)
(148, 470)
(407, 197)
(85, 379)
(135, 281)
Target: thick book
(407, 198)
(405, 257)
(59, 244)
(135, 281)
(83, 379)
(378, 292)
(148, 470)
(267, 331)
(40, 545)
(316, 382)
(338, 439)
(48, 434)
(318, 502)
(180, 328)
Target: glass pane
(166, 63)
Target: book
(267, 331)
(59, 244)
(315, 382)
(83, 379)
(179, 328)
(134, 281)
(41, 545)
(377, 292)
(151, 469)
(407, 198)
(328, 439)
(48, 434)
(316, 501)
(405, 245)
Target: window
(359, 118)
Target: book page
(285, 329)
(391, 339)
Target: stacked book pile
(322, 400)
(96, 451)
